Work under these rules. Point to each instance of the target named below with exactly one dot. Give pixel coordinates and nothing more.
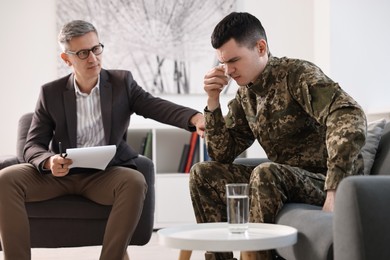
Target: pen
(63, 155)
(60, 148)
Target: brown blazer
(55, 119)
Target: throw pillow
(374, 134)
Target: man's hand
(58, 165)
(214, 82)
(197, 120)
(329, 201)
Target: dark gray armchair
(71, 221)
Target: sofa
(326, 236)
(72, 220)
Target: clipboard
(96, 157)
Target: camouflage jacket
(299, 116)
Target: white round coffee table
(216, 237)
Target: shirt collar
(78, 91)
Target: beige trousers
(121, 187)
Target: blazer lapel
(70, 111)
(106, 104)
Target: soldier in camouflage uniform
(311, 130)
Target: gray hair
(74, 29)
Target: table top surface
(216, 237)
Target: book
(191, 153)
(142, 146)
(183, 158)
(195, 156)
(148, 145)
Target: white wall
(288, 24)
(28, 56)
(360, 56)
(299, 28)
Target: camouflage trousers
(271, 186)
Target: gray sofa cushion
(381, 164)
(374, 133)
(314, 232)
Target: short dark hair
(244, 28)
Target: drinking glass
(237, 196)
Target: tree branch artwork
(164, 43)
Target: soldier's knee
(266, 172)
(266, 167)
(203, 171)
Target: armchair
(72, 220)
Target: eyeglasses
(83, 54)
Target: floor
(151, 251)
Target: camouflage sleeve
(344, 119)
(345, 136)
(227, 137)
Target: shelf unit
(173, 203)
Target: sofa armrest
(361, 226)
(8, 160)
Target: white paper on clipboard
(96, 157)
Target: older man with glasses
(89, 107)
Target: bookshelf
(173, 202)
